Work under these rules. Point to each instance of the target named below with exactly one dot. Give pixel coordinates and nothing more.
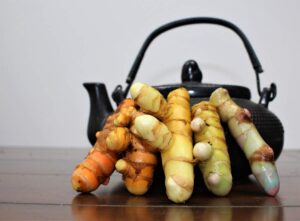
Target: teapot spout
(100, 108)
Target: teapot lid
(191, 77)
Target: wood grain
(35, 185)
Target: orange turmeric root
(99, 164)
(138, 166)
(139, 163)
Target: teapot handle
(119, 94)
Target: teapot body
(100, 108)
(268, 125)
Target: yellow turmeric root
(211, 149)
(259, 154)
(177, 160)
(99, 164)
(177, 157)
(150, 100)
(154, 132)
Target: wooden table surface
(35, 185)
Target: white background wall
(49, 48)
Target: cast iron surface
(100, 108)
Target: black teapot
(266, 122)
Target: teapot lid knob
(191, 72)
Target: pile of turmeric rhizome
(149, 124)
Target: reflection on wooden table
(91, 207)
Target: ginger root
(257, 151)
(211, 149)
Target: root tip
(121, 165)
(213, 179)
(176, 192)
(135, 89)
(197, 124)
(202, 151)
